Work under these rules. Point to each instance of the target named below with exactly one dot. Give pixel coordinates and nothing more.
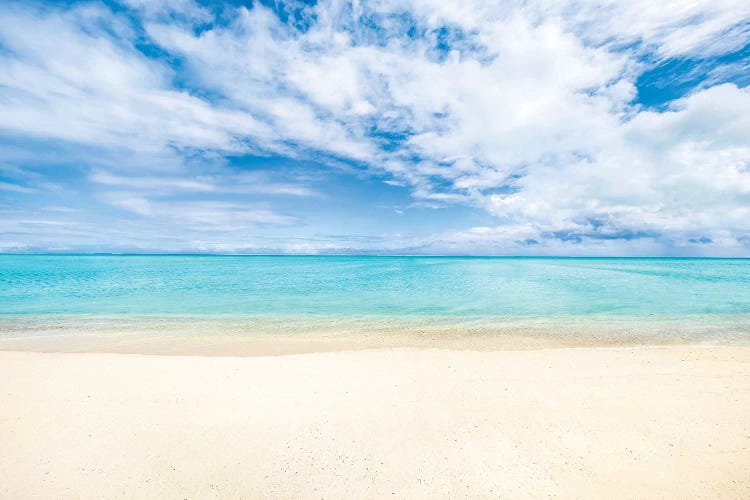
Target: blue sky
(410, 127)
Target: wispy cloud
(199, 215)
(7, 186)
(227, 183)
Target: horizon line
(479, 256)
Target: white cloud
(198, 215)
(9, 186)
(140, 225)
(237, 183)
(180, 10)
(528, 112)
(67, 77)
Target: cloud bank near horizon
(578, 127)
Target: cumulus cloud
(526, 110)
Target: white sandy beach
(638, 422)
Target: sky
(574, 127)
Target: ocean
(681, 298)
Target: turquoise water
(513, 288)
(111, 302)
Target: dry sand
(637, 422)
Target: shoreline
(284, 345)
(270, 335)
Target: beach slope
(637, 422)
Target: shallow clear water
(448, 286)
(378, 293)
